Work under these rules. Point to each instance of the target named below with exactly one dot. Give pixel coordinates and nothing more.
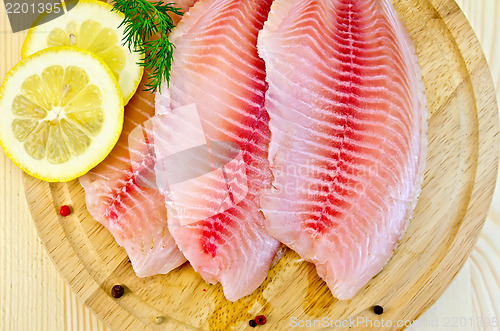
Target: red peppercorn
(261, 319)
(65, 211)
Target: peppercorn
(117, 291)
(261, 320)
(378, 310)
(252, 323)
(65, 211)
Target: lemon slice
(61, 113)
(91, 25)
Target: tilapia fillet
(122, 197)
(348, 124)
(121, 192)
(216, 94)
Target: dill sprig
(147, 25)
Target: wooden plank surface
(34, 297)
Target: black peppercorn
(117, 291)
(252, 323)
(378, 310)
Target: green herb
(147, 25)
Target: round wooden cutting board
(458, 185)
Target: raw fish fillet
(183, 5)
(216, 96)
(348, 125)
(120, 194)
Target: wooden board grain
(459, 179)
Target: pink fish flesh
(216, 94)
(348, 123)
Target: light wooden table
(34, 297)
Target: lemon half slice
(61, 113)
(91, 25)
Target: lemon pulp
(92, 36)
(57, 113)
